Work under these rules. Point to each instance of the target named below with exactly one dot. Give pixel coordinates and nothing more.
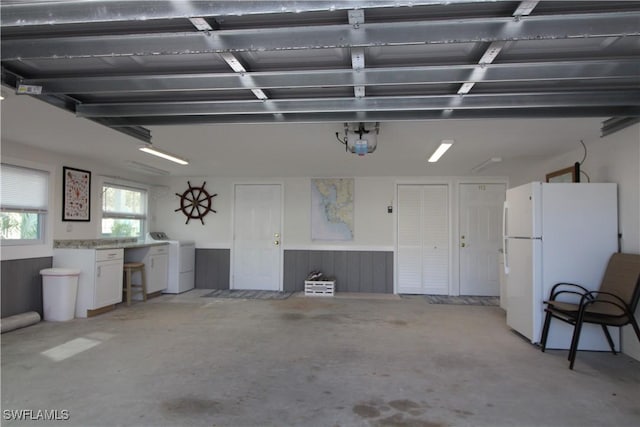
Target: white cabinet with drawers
(100, 280)
(156, 265)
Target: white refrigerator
(557, 232)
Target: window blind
(123, 202)
(23, 189)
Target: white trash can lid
(60, 272)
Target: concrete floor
(190, 361)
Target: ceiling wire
(585, 152)
(582, 161)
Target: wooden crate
(319, 288)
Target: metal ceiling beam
(356, 18)
(388, 103)
(134, 131)
(21, 13)
(69, 104)
(524, 9)
(616, 124)
(240, 70)
(328, 36)
(377, 116)
(534, 71)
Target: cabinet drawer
(157, 250)
(109, 254)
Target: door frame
(450, 199)
(455, 288)
(233, 228)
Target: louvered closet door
(423, 239)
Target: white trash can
(59, 290)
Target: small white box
(319, 288)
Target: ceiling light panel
(442, 148)
(163, 154)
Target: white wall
(56, 228)
(615, 158)
(373, 225)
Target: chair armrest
(555, 296)
(590, 298)
(571, 286)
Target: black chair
(614, 304)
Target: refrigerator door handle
(505, 252)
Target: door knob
(462, 245)
(277, 242)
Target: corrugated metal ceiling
(129, 64)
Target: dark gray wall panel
(379, 272)
(212, 268)
(389, 271)
(22, 285)
(355, 271)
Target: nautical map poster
(332, 208)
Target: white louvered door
(409, 239)
(423, 239)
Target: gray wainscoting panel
(212, 268)
(22, 285)
(355, 271)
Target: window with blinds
(124, 211)
(24, 204)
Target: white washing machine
(182, 260)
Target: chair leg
(128, 287)
(574, 337)
(575, 341)
(609, 340)
(545, 331)
(144, 284)
(635, 325)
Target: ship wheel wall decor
(195, 203)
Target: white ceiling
(298, 149)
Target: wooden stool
(129, 268)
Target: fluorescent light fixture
(486, 163)
(150, 150)
(444, 146)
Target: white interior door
(423, 240)
(480, 238)
(257, 254)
